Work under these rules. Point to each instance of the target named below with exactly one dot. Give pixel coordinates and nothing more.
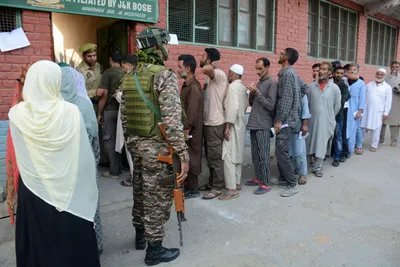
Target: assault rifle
(179, 196)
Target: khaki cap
(88, 48)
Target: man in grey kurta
(235, 105)
(325, 102)
(262, 101)
(393, 79)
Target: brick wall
(291, 31)
(37, 26)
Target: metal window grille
(381, 43)
(332, 31)
(235, 23)
(10, 19)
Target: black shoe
(156, 254)
(140, 241)
(192, 194)
(335, 163)
(342, 159)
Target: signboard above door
(138, 10)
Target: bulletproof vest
(141, 121)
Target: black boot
(156, 254)
(140, 241)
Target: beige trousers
(233, 172)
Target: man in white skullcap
(377, 108)
(235, 105)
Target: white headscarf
(51, 144)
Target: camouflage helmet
(153, 36)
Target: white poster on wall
(13, 40)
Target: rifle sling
(151, 105)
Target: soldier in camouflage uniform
(152, 201)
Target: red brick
(42, 14)
(6, 100)
(8, 84)
(46, 37)
(44, 29)
(41, 44)
(8, 75)
(17, 59)
(27, 13)
(45, 21)
(5, 67)
(33, 36)
(30, 20)
(46, 52)
(4, 108)
(28, 51)
(7, 92)
(28, 28)
(37, 58)
(16, 52)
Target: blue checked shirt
(291, 90)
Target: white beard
(380, 80)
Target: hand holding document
(301, 136)
(282, 127)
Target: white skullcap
(381, 70)
(238, 69)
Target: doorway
(112, 38)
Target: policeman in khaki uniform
(92, 71)
(140, 116)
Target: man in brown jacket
(192, 100)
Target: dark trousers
(338, 140)
(260, 143)
(214, 137)
(345, 149)
(193, 181)
(285, 165)
(110, 118)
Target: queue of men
(329, 117)
(310, 123)
(211, 114)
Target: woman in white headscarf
(57, 197)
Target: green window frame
(381, 45)
(332, 31)
(10, 19)
(239, 24)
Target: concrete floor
(350, 217)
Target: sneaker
(279, 183)
(110, 176)
(290, 191)
(342, 159)
(335, 163)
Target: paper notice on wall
(13, 40)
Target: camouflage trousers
(151, 202)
